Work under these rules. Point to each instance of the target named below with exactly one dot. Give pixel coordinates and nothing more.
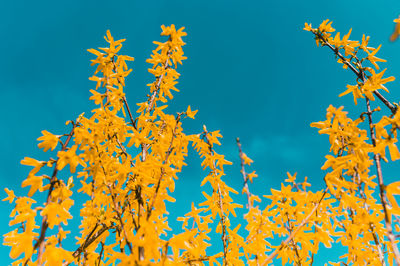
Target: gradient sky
(252, 72)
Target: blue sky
(252, 72)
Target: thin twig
(129, 112)
(123, 149)
(120, 218)
(206, 258)
(224, 233)
(115, 207)
(88, 242)
(101, 252)
(245, 178)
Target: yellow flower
(373, 59)
(190, 113)
(50, 141)
(246, 159)
(307, 27)
(32, 162)
(69, 157)
(36, 182)
(355, 90)
(10, 195)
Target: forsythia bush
(126, 164)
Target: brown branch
(206, 258)
(75, 254)
(292, 235)
(290, 229)
(377, 159)
(158, 86)
(371, 227)
(245, 178)
(89, 240)
(40, 242)
(164, 254)
(120, 219)
(115, 207)
(169, 151)
(224, 236)
(245, 181)
(129, 112)
(123, 149)
(101, 252)
(378, 245)
(151, 102)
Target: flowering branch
(359, 72)
(245, 178)
(294, 232)
(377, 159)
(40, 243)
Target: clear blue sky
(252, 72)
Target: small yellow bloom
(36, 182)
(246, 159)
(307, 27)
(190, 113)
(33, 162)
(49, 141)
(10, 195)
